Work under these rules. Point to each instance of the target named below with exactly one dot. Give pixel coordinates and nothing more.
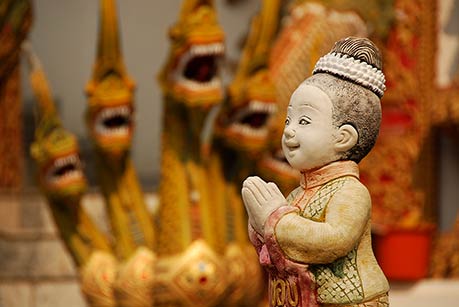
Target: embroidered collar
(320, 176)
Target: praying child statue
(316, 243)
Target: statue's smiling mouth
(114, 121)
(252, 119)
(64, 170)
(291, 145)
(198, 67)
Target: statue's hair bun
(357, 60)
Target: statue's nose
(289, 132)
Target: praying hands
(261, 199)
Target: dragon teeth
(256, 106)
(108, 113)
(119, 131)
(198, 50)
(74, 174)
(71, 159)
(214, 83)
(60, 163)
(249, 131)
(210, 49)
(260, 106)
(115, 111)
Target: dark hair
(354, 105)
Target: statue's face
(273, 166)
(309, 134)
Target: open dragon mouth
(276, 162)
(198, 67)
(251, 121)
(64, 170)
(114, 121)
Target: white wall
(64, 35)
(447, 68)
(448, 41)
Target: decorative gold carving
(197, 277)
(60, 176)
(135, 278)
(109, 119)
(97, 278)
(245, 275)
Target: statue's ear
(347, 137)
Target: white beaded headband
(347, 67)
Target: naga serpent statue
(241, 135)
(109, 119)
(117, 273)
(110, 123)
(61, 179)
(191, 270)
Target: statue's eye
(287, 121)
(304, 121)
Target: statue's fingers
(249, 199)
(262, 188)
(258, 190)
(249, 181)
(246, 182)
(274, 190)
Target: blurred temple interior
(138, 118)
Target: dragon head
(110, 91)
(191, 75)
(56, 153)
(55, 150)
(250, 105)
(252, 98)
(110, 114)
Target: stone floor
(35, 268)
